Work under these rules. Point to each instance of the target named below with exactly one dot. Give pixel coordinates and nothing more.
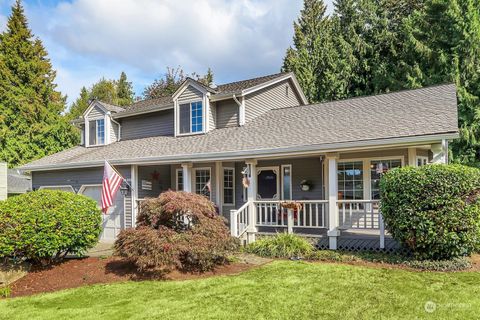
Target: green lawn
(280, 290)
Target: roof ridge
(256, 78)
(368, 96)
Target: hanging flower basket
(291, 205)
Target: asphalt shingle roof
(167, 101)
(408, 113)
(18, 182)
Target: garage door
(112, 221)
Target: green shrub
(5, 292)
(433, 210)
(44, 226)
(455, 264)
(177, 229)
(282, 245)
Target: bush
(433, 210)
(282, 245)
(44, 226)
(177, 230)
(455, 264)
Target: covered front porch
(336, 195)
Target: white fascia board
(260, 153)
(289, 75)
(184, 86)
(91, 106)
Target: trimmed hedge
(177, 230)
(44, 226)
(433, 210)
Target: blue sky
(90, 39)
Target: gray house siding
(113, 132)
(159, 185)
(280, 95)
(190, 94)
(310, 169)
(212, 120)
(96, 112)
(227, 113)
(78, 177)
(154, 124)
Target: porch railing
(359, 214)
(239, 220)
(311, 214)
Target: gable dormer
(99, 128)
(192, 110)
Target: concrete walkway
(102, 249)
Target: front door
(268, 182)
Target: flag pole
(126, 182)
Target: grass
(280, 290)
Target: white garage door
(112, 221)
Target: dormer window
(97, 132)
(191, 117)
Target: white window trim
(282, 180)
(367, 181)
(194, 176)
(176, 178)
(57, 186)
(177, 117)
(106, 129)
(423, 158)
(223, 186)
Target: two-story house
(249, 145)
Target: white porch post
(412, 157)
(333, 223)
(440, 152)
(187, 177)
(218, 184)
(134, 192)
(251, 197)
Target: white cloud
(88, 39)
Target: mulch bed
(74, 273)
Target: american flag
(110, 185)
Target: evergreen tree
(80, 105)
(31, 123)
(125, 92)
(444, 46)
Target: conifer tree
(125, 92)
(31, 123)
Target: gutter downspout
(119, 125)
(241, 108)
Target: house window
(287, 182)
(350, 180)
(228, 186)
(191, 117)
(377, 169)
(179, 179)
(96, 132)
(421, 161)
(202, 182)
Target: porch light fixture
(305, 185)
(124, 188)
